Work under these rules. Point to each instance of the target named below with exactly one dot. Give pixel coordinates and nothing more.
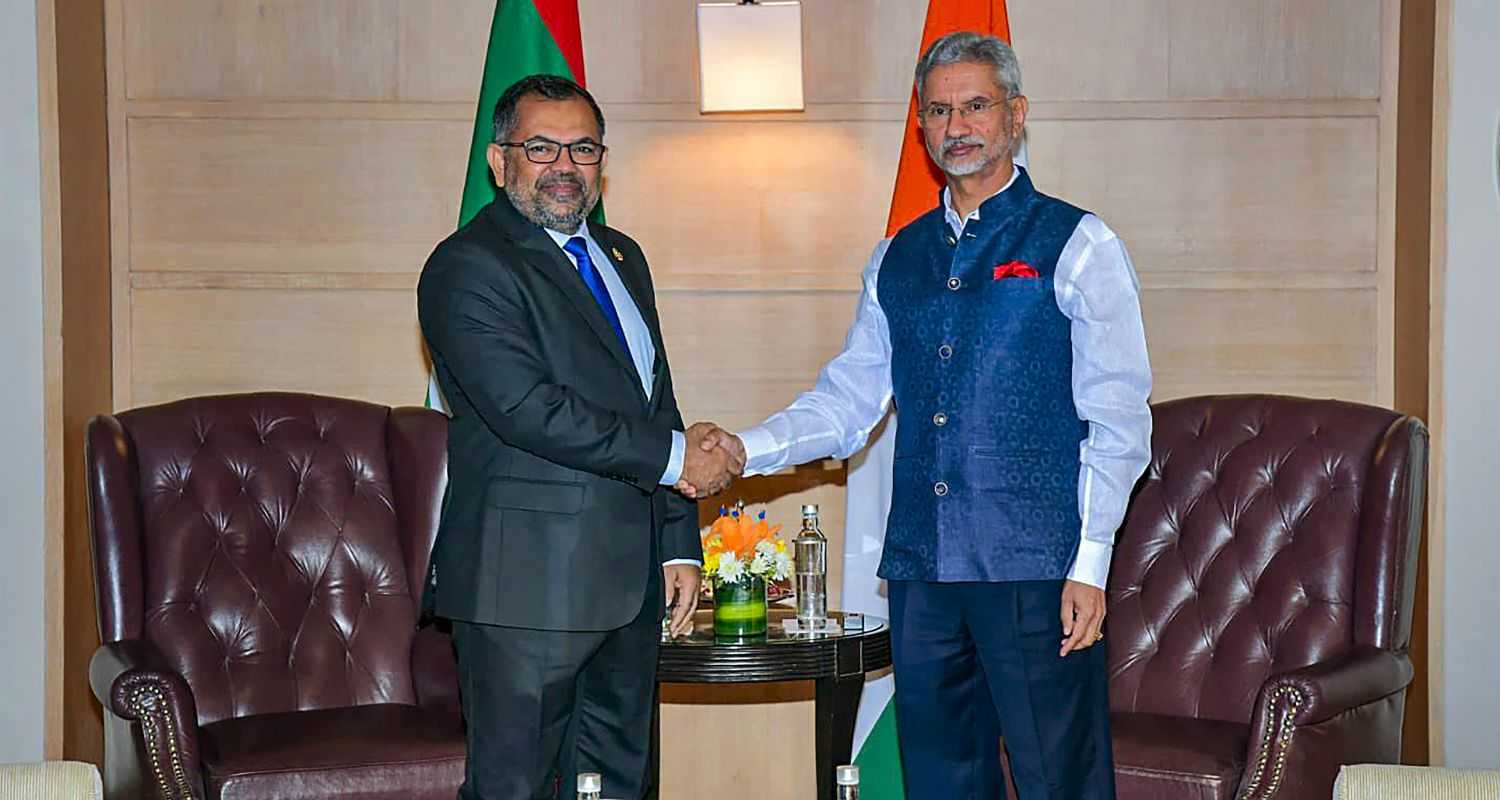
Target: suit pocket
(551, 497)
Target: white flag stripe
(868, 501)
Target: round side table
(836, 663)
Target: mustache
(960, 141)
(560, 179)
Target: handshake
(714, 457)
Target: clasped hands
(713, 459)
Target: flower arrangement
(742, 558)
(736, 546)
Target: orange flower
(734, 532)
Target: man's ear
(495, 155)
(1019, 109)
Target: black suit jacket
(554, 518)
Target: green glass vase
(740, 607)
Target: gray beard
(965, 169)
(562, 222)
(535, 209)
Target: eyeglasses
(936, 115)
(546, 151)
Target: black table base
(835, 663)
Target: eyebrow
(586, 139)
(975, 98)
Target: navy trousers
(977, 661)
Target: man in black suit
(561, 543)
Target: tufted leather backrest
(1268, 534)
(270, 545)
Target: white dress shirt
(637, 335)
(1096, 288)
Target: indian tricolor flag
(869, 495)
(527, 37)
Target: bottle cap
(847, 775)
(590, 782)
(810, 510)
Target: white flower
(783, 566)
(763, 563)
(765, 547)
(731, 568)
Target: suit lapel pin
(619, 256)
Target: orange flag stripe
(917, 179)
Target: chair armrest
(135, 684)
(435, 669)
(1345, 710)
(1328, 689)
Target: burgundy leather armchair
(1261, 598)
(258, 563)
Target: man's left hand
(682, 581)
(1082, 616)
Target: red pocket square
(1015, 269)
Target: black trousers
(975, 661)
(543, 706)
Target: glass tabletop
(850, 626)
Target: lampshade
(750, 56)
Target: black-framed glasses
(545, 151)
(938, 114)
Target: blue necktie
(579, 248)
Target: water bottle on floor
(846, 778)
(590, 784)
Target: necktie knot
(578, 247)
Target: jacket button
(951, 240)
(940, 489)
(945, 352)
(954, 283)
(940, 419)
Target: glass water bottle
(810, 561)
(846, 780)
(590, 784)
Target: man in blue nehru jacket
(1005, 325)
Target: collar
(562, 238)
(951, 216)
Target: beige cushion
(1384, 782)
(52, 780)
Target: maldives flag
(918, 181)
(527, 37)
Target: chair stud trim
(1289, 700)
(150, 706)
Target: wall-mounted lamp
(750, 56)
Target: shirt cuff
(674, 460)
(761, 450)
(1092, 564)
(695, 562)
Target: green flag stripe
(520, 45)
(879, 760)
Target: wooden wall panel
(645, 51)
(1318, 343)
(1275, 48)
(354, 343)
(1222, 195)
(282, 49)
(1087, 50)
(441, 48)
(737, 356)
(292, 195)
(737, 204)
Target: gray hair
(968, 47)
